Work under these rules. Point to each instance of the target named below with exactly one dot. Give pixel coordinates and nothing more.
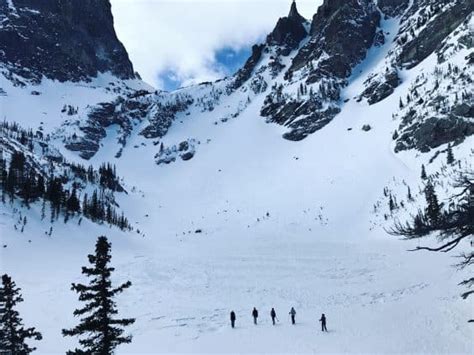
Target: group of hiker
(274, 317)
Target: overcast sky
(178, 42)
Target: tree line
(21, 180)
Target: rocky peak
(294, 14)
(342, 31)
(286, 37)
(61, 39)
(289, 31)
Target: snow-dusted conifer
(99, 330)
(13, 334)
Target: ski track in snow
(378, 298)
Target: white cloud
(183, 35)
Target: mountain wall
(65, 40)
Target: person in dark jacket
(293, 315)
(273, 315)
(232, 319)
(323, 323)
(255, 315)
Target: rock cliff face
(440, 106)
(341, 33)
(289, 31)
(424, 27)
(286, 37)
(392, 8)
(442, 21)
(439, 109)
(339, 37)
(66, 40)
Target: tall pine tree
(433, 208)
(423, 172)
(99, 331)
(450, 156)
(13, 335)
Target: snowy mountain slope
(424, 26)
(251, 220)
(358, 278)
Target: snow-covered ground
(283, 224)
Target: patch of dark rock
(429, 39)
(393, 8)
(246, 71)
(302, 128)
(434, 132)
(82, 44)
(379, 39)
(342, 29)
(377, 91)
(187, 156)
(289, 32)
(464, 110)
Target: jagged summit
(294, 14)
(289, 31)
(286, 37)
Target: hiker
(255, 315)
(293, 315)
(323, 323)
(232, 319)
(273, 315)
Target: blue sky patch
(227, 60)
(231, 60)
(170, 80)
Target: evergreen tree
(101, 333)
(423, 172)
(3, 175)
(391, 203)
(72, 203)
(433, 209)
(43, 209)
(409, 195)
(450, 157)
(12, 332)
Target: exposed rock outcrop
(66, 40)
(424, 27)
(440, 107)
(340, 35)
(289, 31)
(246, 71)
(393, 8)
(444, 21)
